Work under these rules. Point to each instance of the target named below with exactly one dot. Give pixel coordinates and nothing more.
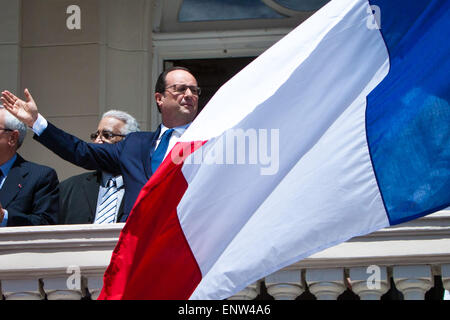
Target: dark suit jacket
(78, 198)
(30, 194)
(130, 157)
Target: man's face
(178, 107)
(109, 130)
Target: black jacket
(130, 157)
(30, 194)
(78, 199)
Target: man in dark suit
(82, 196)
(28, 191)
(138, 155)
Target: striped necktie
(108, 205)
(160, 152)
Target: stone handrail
(68, 261)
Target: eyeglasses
(6, 129)
(181, 89)
(107, 135)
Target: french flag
(339, 129)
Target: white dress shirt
(174, 138)
(103, 188)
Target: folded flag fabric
(339, 129)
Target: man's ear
(158, 97)
(14, 138)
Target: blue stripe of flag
(408, 114)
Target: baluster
(369, 283)
(94, 285)
(445, 275)
(24, 289)
(413, 281)
(326, 284)
(284, 284)
(62, 288)
(249, 293)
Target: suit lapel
(148, 147)
(91, 189)
(14, 182)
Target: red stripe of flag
(152, 259)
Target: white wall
(9, 44)
(76, 75)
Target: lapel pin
(20, 186)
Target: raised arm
(87, 155)
(25, 111)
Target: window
(304, 5)
(212, 10)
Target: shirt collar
(8, 164)
(106, 176)
(179, 130)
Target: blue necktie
(160, 152)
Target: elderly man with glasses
(138, 156)
(96, 196)
(28, 191)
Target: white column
(445, 274)
(125, 51)
(284, 284)
(369, 283)
(326, 284)
(413, 281)
(249, 293)
(25, 289)
(63, 288)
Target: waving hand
(25, 111)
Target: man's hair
(13, 123)
(131, 125)
(161, 84)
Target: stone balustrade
(68, 262)
(55, 262)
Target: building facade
(80, 58)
